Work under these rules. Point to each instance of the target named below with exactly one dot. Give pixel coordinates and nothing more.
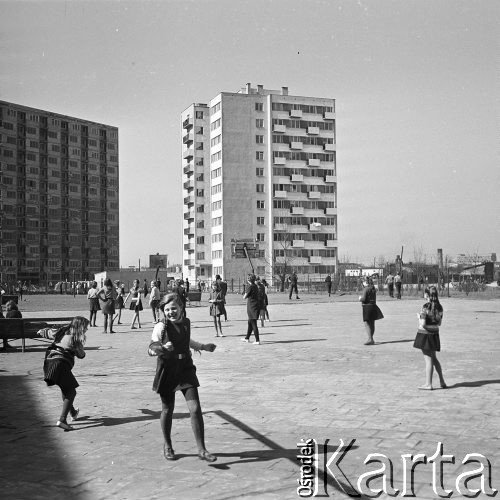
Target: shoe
(168, 453)
(74, 415)
(444, 386)
(119, 323)
(112, 331)
(244, 340)
(104, 332)
(205, 455)
(65, 426)
(133, 327)
(216, 335)
(425, 388)
(370, 342)
(221, 335)
(298, 298)
(256, 342)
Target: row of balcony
(300, 178)
(301, 211)
(297, 113)
(302, 243)
(281, 129)
(314, 227)
(311, 195)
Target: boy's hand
(209, 347)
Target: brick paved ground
(311, 378)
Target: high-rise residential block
(59, 196)
(259, 178)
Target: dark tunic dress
(217, 306)
(429, 338)
(253, 302)
(371, 311)
(175, 369)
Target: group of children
(171, 343)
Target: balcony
(296, 177)
(328, 115)
(189, 184)
(187, 123)
(279, 128)
(280, 194)
(314, 195)
(330, 243)
(279, 160)
(315, 226)
(296, 145)
(314, 259)
(189, 231)
(330, 178)
(297, 210)
(298, 243)
(189, 153)
(313, 162)
(189, 262)
(295, 113)
(189, 247)
(329, 147)
(330, 211)
(313, 130)
(280, 227)
(189, 215)
(188, 139)
(189, 200)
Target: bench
(194, 296)
(27, 328)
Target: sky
(416, 84)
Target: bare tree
(281, 265)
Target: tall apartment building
(259, 170)
(58, 197)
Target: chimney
(248, 87)
(260, 88)
(284, 90)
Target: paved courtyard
(312, 377)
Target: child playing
(175, 371)
(427, 337)
(108, 297)
(119, 301)
(93, 296)
(68, 342)
(217, 307)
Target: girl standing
(217, 307)
(371, 312)
(135, 303)
(108, 297)
(154, 301)
(119, 304)
(93, 296)
(253, 309)
(171, 342)
(427, 337)
(68, 342)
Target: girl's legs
(262, 315)
(193, 403)
(215, 324)
(220, 326)
(255, 329)
(105, 324)
(119, 315)
(437, 366)
(111, 318)
(167, 412)
(370, 330)
(153, 311)
(68, 396)
(429, 369)
(267, 314)
(136, 317)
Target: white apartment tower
(259, 171)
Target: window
(215, 140)
(199, 115)
(216, 124)
(216, 189)
(259, 155)
(260, 221)
(259, 139)
(217, 254)
(200, 192)
(216, 156)
(260, 188)
(200, 224)
(261, 204)
(200, 256)
(200, 240)
(260, 236)
(216, 173)
(217, 221)
(259, 106)
(217, 205)
(200, 208)
(259, 172)
(215, 108)
(259, 122)
(216, 237)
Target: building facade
(259, 178)
(59, 196)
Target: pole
(248, 257)
(74, 284)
